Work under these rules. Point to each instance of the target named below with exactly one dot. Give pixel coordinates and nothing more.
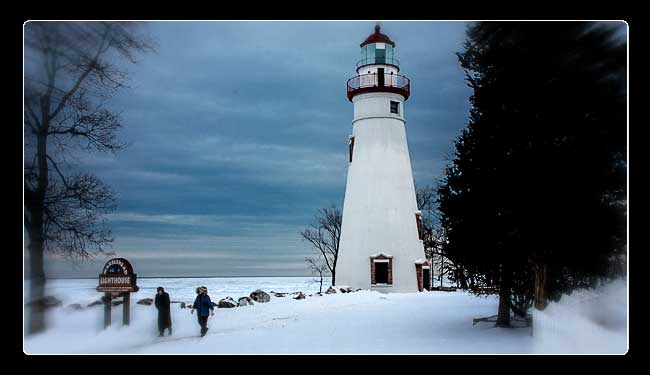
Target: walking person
(204, 308)
(164, 313)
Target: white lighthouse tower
(380, 246)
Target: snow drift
(590, 321)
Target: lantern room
(378, 49)
(377, 71)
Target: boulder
(75, 306)
(278, 294)
(98, 302)
(117, 303)
(260, 296)
(145, 301)
(182, 305)
(330, 290)
(245, 301)
(300, 296)
(189, 306)
(227, 303)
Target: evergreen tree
(534, 201)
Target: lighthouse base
(386, 274)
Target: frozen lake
(183, 289)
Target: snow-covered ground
(585, 322)
(354, 323)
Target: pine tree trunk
(36, 321)
(540, 285)
(503, 317)
(462, 280)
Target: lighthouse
(381, 244)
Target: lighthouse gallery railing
(374, 82)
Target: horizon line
(175, 277)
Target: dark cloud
(238, 134)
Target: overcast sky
(238, 135)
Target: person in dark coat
(204, 307)
(164, 313)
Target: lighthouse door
(380, 77)
(426, 279)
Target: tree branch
(82, 77)
(63, 179)
(31, 112)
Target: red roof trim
(377, 37)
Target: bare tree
(319, 268)
(433, 236)
(324, 234)
(71, 70)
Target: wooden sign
(117, 277)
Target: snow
(364, 322)
(592, 321)
(380, 254)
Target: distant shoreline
(169, 277)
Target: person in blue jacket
(204, 307)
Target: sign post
(107, 309)
(117, 279)
(126, 309)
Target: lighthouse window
(394, 107)
(351, 145)
(381, 270)
(381, 273)
(380, 54)
(389, 54)
(369, 54)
